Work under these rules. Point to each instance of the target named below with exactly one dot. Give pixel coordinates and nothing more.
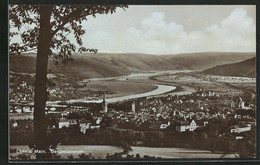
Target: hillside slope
(109, 65)
(246, 68)
(208, 60)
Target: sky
(173, 29)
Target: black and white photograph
(132, 82)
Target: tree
(246, 147)
(48, 27)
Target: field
(246, 83)
(222, 85)
(115, 88)
(135, 84)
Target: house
(205, 123)
(94, 126)
(23, 84)
(241, 104)
(211, 93)
(98, 120)
(182, 127)
(186, 125)
(84, 125)
(84, 128)
(232, 104)
(63, 123)
(164, 126)
(15, 124)
(72, 122)
(239, 137)
(192, 125)
(239, 129)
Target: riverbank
(159, 90)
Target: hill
(109, 65)
(206, 60)
(246, 68)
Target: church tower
(133, 106)
(104, 103)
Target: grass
(199, 80)
(116, 88)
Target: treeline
(215, 138)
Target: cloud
(239, 21)
(236, 33)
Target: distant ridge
(246, 68)
(110, 65)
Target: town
(204, 116)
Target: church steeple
(104, 103)
(133, 106)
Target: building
(239, 129)
(84, 128)
(186, 125)
(84, 125)
(133, 106)
(211, 93)
(164, 126)
(193, 125)
(15, 124)
(104, 104)
(240, 103)
(232, 104)
(99, 119)
(64, 123)
(94, 126)
(72, 122)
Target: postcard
(127, 82)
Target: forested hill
(109, 65)
(246, 68)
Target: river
(140, 75)
(159, 90)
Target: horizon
(82, 54)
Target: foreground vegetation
(215, 137)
